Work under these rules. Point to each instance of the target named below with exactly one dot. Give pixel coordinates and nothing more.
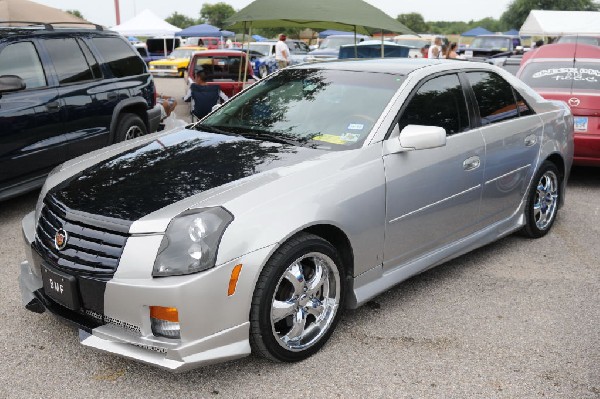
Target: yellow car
(176, 63)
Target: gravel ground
(516, 319)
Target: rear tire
(130, 126)
(298, 299)
(542, 202)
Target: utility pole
(117, 12)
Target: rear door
(31, 140)
(512, 134)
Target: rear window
(219, 68)
(562, 75)
(120, 57)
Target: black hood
(169, 169)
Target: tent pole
(355, 48)
(243, 40)
(247, 57)
(382, 46)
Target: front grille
(90, 250)
(162, 66)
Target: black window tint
(524, 108)
(21, 59)
(494, 96)
(91, 60)
(438, 102)
(69, 63)
(119, 56)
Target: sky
(103, 12)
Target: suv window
(69, 61)
(438, 102)
(121, 59)
(495, 97)
(22, 59)
(91, 60)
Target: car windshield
(326, 109)
(562, 75)
(414, 43)
(180, 53)
(491, 43)
(334, 43)
(264, 49)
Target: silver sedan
(314, 190)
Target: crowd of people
(439, 50)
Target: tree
(216, 14)
(76, 13)
(518, 10)
(180, 20)
(413, 21)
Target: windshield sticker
(585, 74)
(350, 137)
(356, 126)
(330, 138)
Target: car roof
(565, 50)
(224, 52)
(397, 66)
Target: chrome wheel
(546, 200)
(133, 132)
(305, 302)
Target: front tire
(543, 200)
(130, 126)
(297, 301)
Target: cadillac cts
(314, 190)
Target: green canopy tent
(355, 15)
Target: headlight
(173, 66)
(191, 242)
(151, 66)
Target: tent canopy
(559, 23)
(316, 14)
(476, 32)
(204, 30)
(512, 32)
(146, 23)
(331, 32)
(24, 10)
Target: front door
(433, 195)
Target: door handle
(472, 163)
(530, 140)
(53, 106)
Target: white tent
(146, 23)
(560, 23)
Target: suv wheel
(129, 127)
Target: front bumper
(164, 72)
(214, 326)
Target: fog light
(164, 322)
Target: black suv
(65, 92)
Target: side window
(438, 102)
(494, 96)
(69, 61)
(121, 59)
(522, 106)
(21, 59)
(91, 60)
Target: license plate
(581, 123)
(61, 287)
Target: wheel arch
(136, 106)
(559, 162)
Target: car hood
(169, 61)
(171, 168)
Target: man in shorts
(282, 52)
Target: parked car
(222, 68)
(267, 64)
(486, 46)
(414, 42)
(253, 229)
(143, 51)
(65, 92)
(570, 72)
(510, 62)
(329, 48)
(176, 63)
(161, 47)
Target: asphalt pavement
(516, 319)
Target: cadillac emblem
(60, 239)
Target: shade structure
(476, 32)
(331, 32)
(259, 38)
(24, 10)
(512, 32)
(204, 30)
(559, 23)
(146, 23)
(344, 15)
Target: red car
(222, 68)
(570, 72)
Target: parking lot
(516, 319)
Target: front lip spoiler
(65, 315)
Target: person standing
(435, 51)
(282, 52)
(425, 51)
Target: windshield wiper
(212, 129)
(265, 135)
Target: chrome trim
(435, 203)
(506, 174)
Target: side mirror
(216, 107)
(416, 137)
(10, 83)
